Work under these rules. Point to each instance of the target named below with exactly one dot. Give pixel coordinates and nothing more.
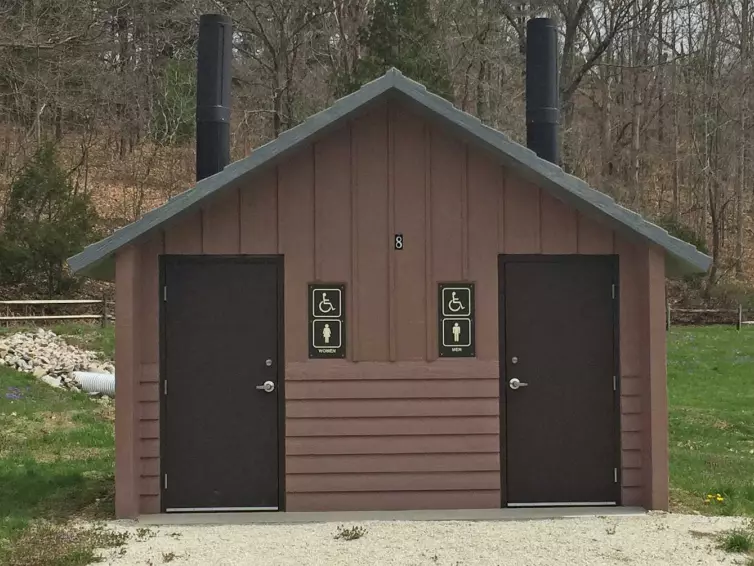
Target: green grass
(56, 464)
(737, 540)
(711, 396)
(56, 447)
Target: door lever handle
(515, 383)
(267, 387)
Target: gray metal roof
(97, 260)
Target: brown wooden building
(391, 306)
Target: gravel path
(683, 540)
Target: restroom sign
(456, 320)
(327, 320)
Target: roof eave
(681, 258)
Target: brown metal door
(220, 344)
(560, 421)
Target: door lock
(515, 383)
(267, 387)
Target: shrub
(46, 220)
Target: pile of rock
(49, 358)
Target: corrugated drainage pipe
(92, 382)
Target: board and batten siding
(390, 427)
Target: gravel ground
(642, 540)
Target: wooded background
(656, 94)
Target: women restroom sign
(456, 318)
(327, 320)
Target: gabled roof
(97, 260)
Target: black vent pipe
(213, 94)
(542, 97)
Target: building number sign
(456, 320)
(327, 320)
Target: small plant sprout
(737, 540)
(144, 533)
(350, 533)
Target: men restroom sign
(327, 320)
(456, 318)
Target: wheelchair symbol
(455, 305)
(326, 303)
(325, 306)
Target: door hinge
(615, 383)
(615, 477)
(165, 387)
(613, 290)
(165, 481)
(165, 293)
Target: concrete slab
(264, 517)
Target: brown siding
(185, 235)
(424, 426)
(485, 180)
(393, 500)
(410, 265)
(559, 226)
(296, 229)
(522, 231)
(220, 224)
(128, 358)
(259, 215)
(150, 354)
(447, 169)
(370, 291)
(656, 412)
(425, 430)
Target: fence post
(740, 317)
(667, 316)
(104, 310)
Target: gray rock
(39, 372)
(49, 380)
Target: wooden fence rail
(737, 314)
(31, 306)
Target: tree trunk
(743, 141)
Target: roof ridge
(96, 259)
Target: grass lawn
(711, 393)
(56, 463)
(56, 448)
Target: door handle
(267, 387)
(515, 383)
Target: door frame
(503, 260)
(279, 263)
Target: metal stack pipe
(213, 74)
(542, 95)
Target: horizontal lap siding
(354, 443)
(148, 423)
(632, 386)
(394, 500)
